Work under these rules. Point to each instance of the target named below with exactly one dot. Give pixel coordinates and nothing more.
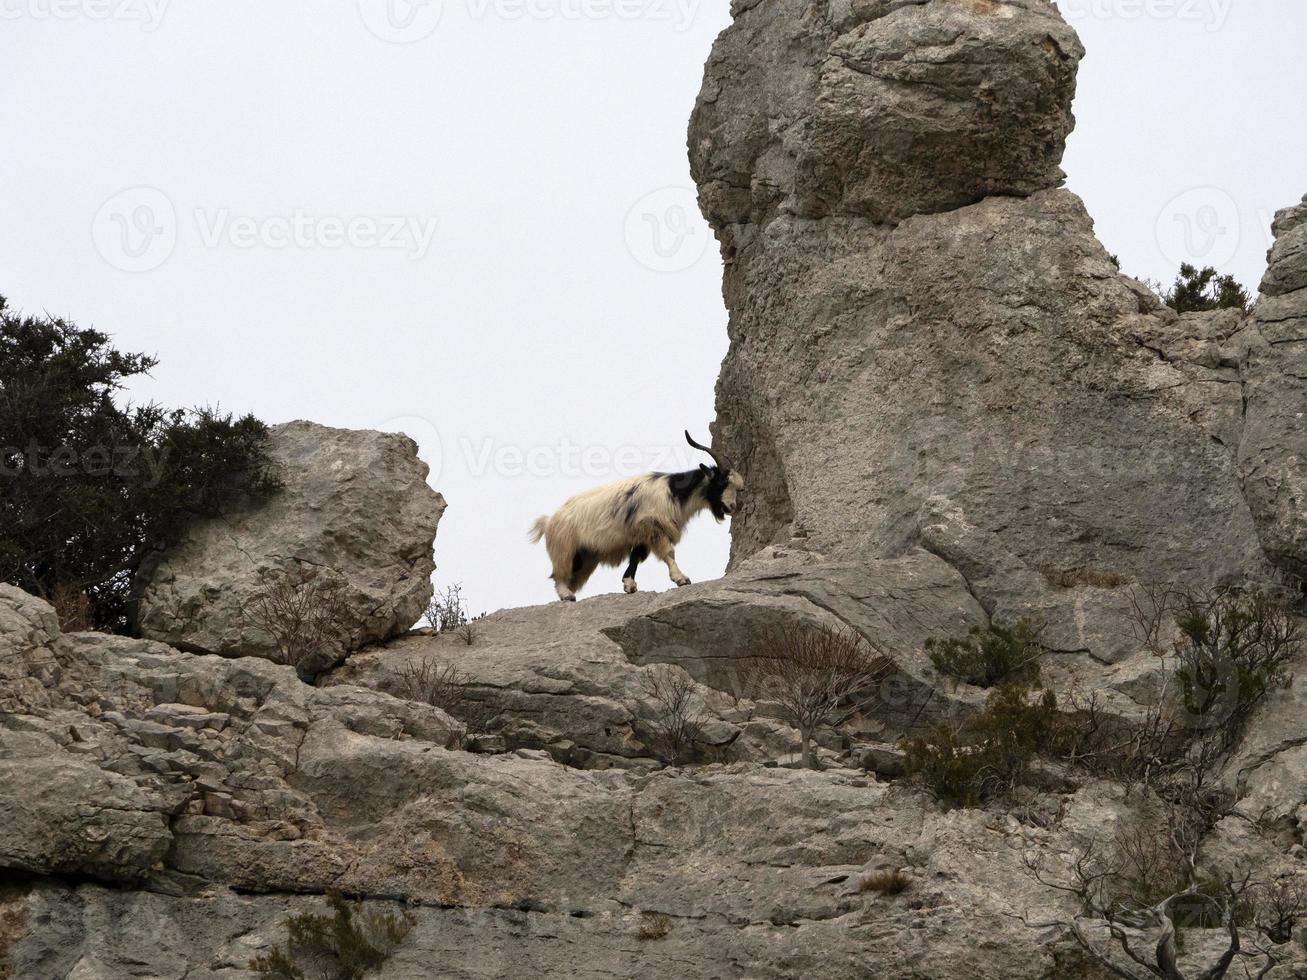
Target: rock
(28, 626)
(66, 815)
(895, 339)
(1013, 389)
(573, 679)
(1273, 450)
(881, 110)
(885, 761)
(487, 744)
(355, 509)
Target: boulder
(968, 338)
(881, 110)
(355, 510)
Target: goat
(630, 519)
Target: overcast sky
(472, 220)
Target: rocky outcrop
(1273, 450)
(354, 509)
(881, 110)
(952, 411)
(218, 787)
(974, 343)
(573, 680)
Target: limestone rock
(1273, 451)
(914, 313)
(881, 110)
(27, 665)
(572, 679)
(355, 507)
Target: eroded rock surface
(881, 109)
(1273, 451)
(355, 508)
(973, 341)
(217, 787)
(952, 410)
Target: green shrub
(1234, 647)
(348, 944)
(1196, 291)
(948, 764)
(90, 487)
(965, 765)
(989, 657)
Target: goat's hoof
(628, 586)
(681, 581)
(567, 598)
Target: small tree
(1196, 291)
(671, 692)
(90, 487)
(301, 610)
(348, 944)
(1145, 889)
(816, 675)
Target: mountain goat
(630, 519)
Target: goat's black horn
(722, 462)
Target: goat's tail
(537, 529)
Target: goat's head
(723, 482)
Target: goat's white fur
(595, 522)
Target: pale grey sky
(472, 220)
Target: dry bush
(72, 607)
(1146, 889)
(817, 675)
(654, 925)
(470, 631)
(348, 944)
(447, 613)
(1089, 736)
(1084, 575)
(886, 879)
(1279, 906)
(671, 692)
(444, 687)
(441, 686)
(302, 611)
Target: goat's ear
(707, 470)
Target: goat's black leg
(583, 565)
(638, 554)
